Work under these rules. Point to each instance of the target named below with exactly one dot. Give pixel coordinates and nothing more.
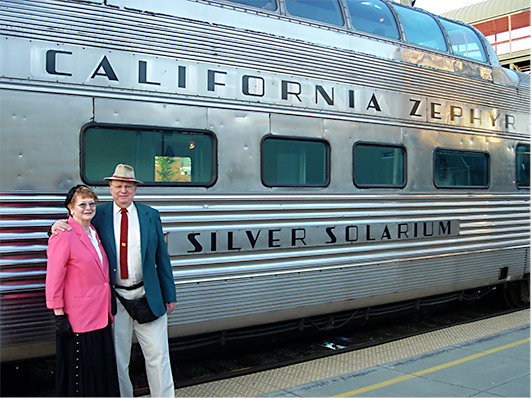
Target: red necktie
(123, 245)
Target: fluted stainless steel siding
(223, 291)
(107, 27)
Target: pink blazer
(76, 281)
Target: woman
(78, 292)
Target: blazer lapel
(85, 240)
(107, 230)
(104, 257)
(143, 220)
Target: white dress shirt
(92, 236)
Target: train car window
(421, 28)
(379, 166)
(159, 156)
(327, 11)
(460, 169)
(270, 5)
(522, 165)
(295, 162)
(464, 41)
(373, 16)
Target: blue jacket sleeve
(165, 272)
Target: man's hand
(170, 307)
(60, 225)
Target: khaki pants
(153, 339)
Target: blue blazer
(158, 276)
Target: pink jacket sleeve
(58, 253)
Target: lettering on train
(251, 239)
(233, 83)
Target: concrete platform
(487, 358)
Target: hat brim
(112, 178)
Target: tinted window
(160, 157)
(373, 16)
(379, 166)
(421, 29)
(265, 4)
(464, 41)
(294, 162)
(456, 169)
(522, 166)
(319, 10)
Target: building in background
(506, 24)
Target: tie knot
(123, 210)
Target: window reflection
(327, 11)
(164, 157)
(294, 162)
(379, 165)
(270, 5)
(457, 169)
(421, 28)
(522, 166)
(464, 41)
(373, 16)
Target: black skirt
(86, 365)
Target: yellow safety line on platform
(430, 370)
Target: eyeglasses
(84, 205)
(127, 187)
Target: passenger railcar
(307, 157)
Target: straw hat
(123, 172)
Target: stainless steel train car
(307, 157)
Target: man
(131, 234)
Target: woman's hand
(62, 326)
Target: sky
(441, 6)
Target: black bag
(138, 309)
